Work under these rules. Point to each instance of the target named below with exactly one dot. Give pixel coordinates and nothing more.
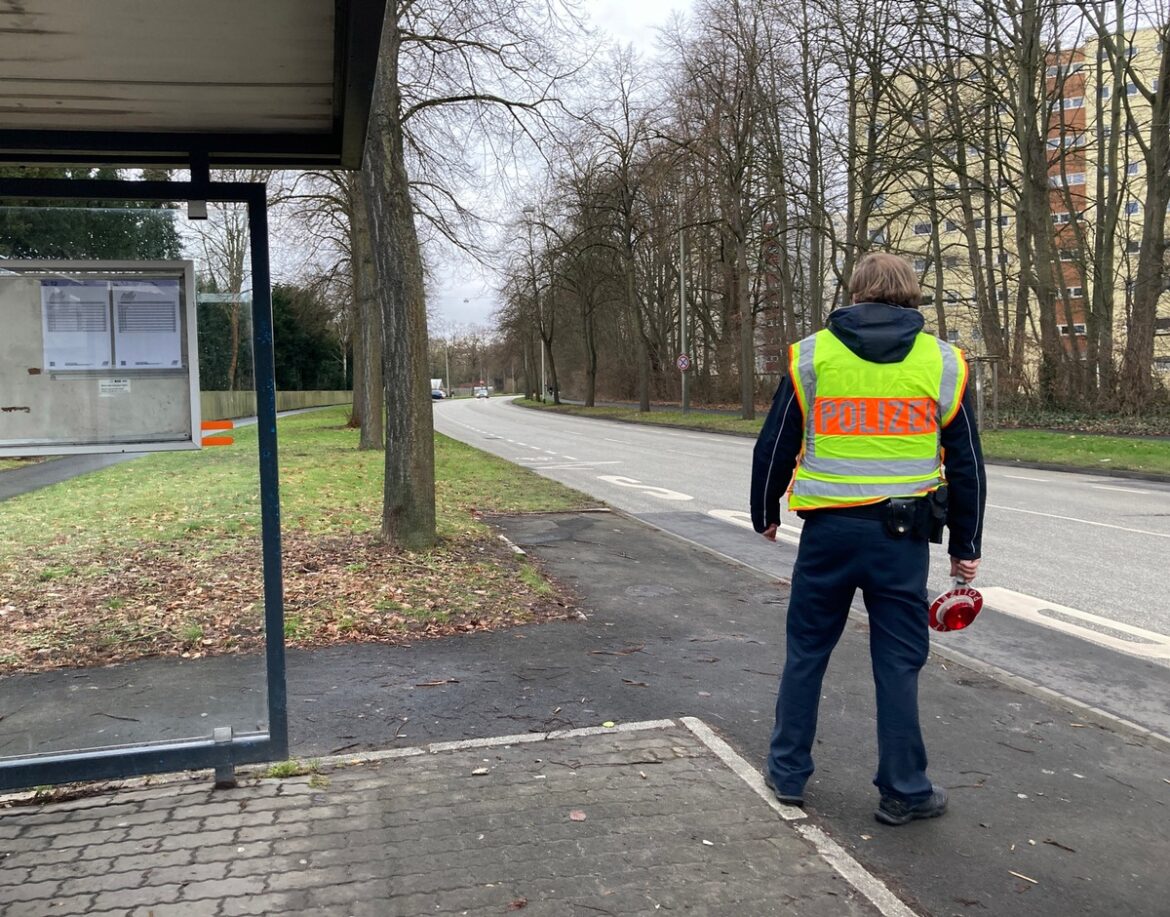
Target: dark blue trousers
(838, 555)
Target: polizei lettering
(875, 416)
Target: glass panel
(131, 583)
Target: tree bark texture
(408, 507)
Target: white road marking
(886, 902)
(570, 458)
(1104, 525)
(662, 493)
(1024, 477)
(1147, 645)
(621, 441)
(570, 465)
(1122, 490)
(744, 520)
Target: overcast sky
(462, 293)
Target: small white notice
(75, 323)
(108, 388)
(147, 333)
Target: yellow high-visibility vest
(871, 430)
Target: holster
(936, 515)
(919, 517)
(901, 516)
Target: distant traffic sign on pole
(683, 362)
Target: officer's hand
(770, 532)
(964, 568)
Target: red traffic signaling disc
(955, 609)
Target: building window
(1103, 92)
(950, 225)
(1074, 102)
(920, 264)
(1060, 217)
(1132, 207)
(1133, 168)
(951, 261)
(1076, 292)
(1069, 254)
(1072, 178)
(927, 299)
(977, 222)
(1078, 329)
(1004, 258)
(1003, 220)
(952, 336)
(922, 229)
(1133, 245)
(1131, 89)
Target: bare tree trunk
(372, 417)
(408, 506)
(1137, 379)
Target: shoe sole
(895, 820)
(795, 801)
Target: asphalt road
(1073, 563)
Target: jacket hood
(877, 331)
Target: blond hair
(882, 277)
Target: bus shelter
(191, 85)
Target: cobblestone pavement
(638, 821)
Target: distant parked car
(437, 394)
(481, 392)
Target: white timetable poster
(147, 332)
(75, 321)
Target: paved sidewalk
(644, 819)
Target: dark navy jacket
(880, 333)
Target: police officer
(860, 428)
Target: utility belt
(918, 517)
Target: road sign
(683, 362)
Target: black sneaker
(787, 799)
(894, 811)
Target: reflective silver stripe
(948, 389)
(809, 488)
(808, 382)
(868, 468)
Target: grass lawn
(1078, 450)
(1082, 451)
(161, 555)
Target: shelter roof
(280, 83)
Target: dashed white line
(1024, 477)
(1103, 631)
(744, 520)
(1104, 525)
(1120, 490)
